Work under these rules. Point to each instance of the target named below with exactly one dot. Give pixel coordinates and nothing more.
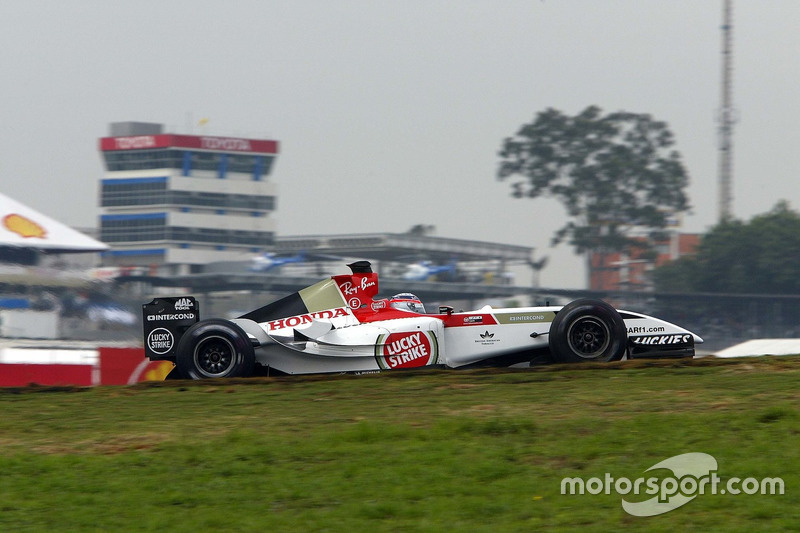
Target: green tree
(762, 256)
(679, 275)
(617, 175)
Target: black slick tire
(587, 330)
(215, 348)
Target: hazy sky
(391, 114)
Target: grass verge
(416, 451)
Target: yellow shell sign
(23, 226)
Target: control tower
(176, 202)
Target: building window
(244, 164)
(257, 166)
(268, 161)
(142, 159)
(186, 164)
(133, 228)
(205, 161)
(130, 192)
(115, 229)
(216, 236)
(154, 191)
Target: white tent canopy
(24, 227)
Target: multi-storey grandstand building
(177, 202)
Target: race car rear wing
(165, 320)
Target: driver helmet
(405, 301)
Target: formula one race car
(337, 325)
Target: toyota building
(177, 202)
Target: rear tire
(215, 349)
(588, 330)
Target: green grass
(416, 451)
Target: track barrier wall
(20, 367)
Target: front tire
(588, 330)
(215, 349)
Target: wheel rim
(588, 337)
(214, 356)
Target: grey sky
(391, 113)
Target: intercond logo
(693, 474)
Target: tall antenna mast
(726, 118)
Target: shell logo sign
(151, 371)
(23, 226)
(407, 350)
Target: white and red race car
(338, 325)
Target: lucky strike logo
(662, 339)
(160, 341)
(23, 226)
(406, 350)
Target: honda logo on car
(406, 350)
(160, 341)
(294, 321)
(663, 339)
